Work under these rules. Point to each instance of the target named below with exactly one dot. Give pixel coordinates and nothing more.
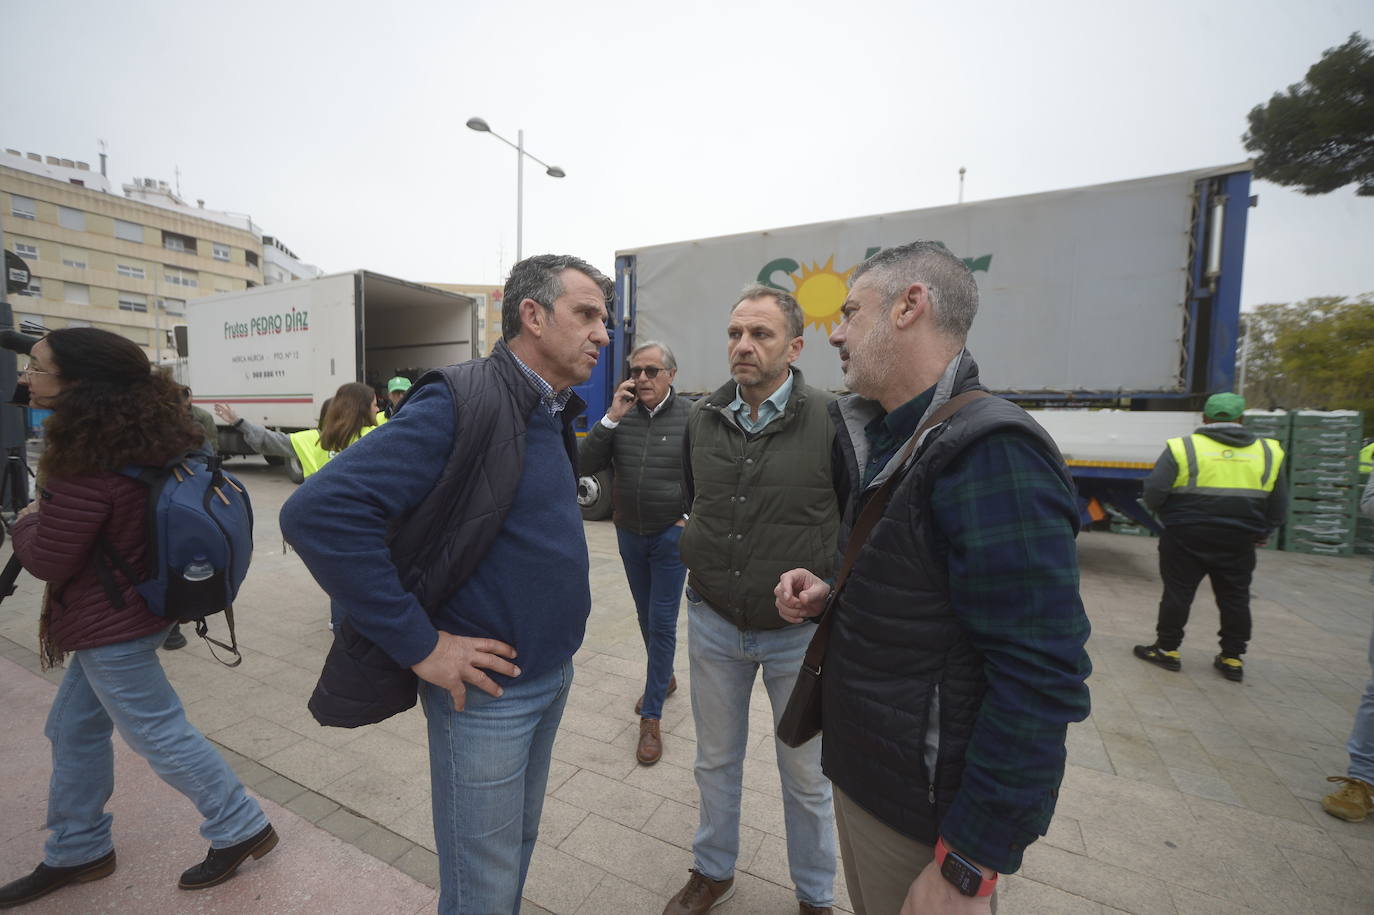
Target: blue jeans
(1361, 744)
(655, 573)
(123, 686)
(488, 767)
(724, 662)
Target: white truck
(276, 352)
(1098, 304)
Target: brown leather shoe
(650, 742)
(701, 894)
(805, 909)
(672, 688)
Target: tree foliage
(1315, 354)
(1319, 135)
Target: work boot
(1169, 660)
(701, 894)
(672, 688)
(45, 879)
(650, 742)
(221, 863)
(1231, 668)
(805, 908)
(174, 639)
(1352, 801)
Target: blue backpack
(200, 541)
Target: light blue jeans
(488, 768)
(123, 686)
(724, 662)
(1361, 744)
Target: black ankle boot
(221, 863)
(45, 879)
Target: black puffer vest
(897, 653)
(438, 545)
(646, 452)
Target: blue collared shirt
(769, 410)
(553, 401)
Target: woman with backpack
(351, 413)
(112, 411)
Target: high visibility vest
(306, 444)
(1209, 467)
(1367, 458)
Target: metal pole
(519, 193)
(157, 330)
(1244, 355)
(961, 184)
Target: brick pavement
(1185, 793)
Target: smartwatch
(961, 872)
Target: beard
(870, 362)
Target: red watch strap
(988, 884)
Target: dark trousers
(1190, 553)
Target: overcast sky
(339, 126)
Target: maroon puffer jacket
(57, 545)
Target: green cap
(401, 383)
(1225, 407)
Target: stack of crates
(1278, 425)
(1323, 452)
(1122, 524)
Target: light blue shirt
(769, 410)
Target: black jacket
(439, 545)
(646, 452)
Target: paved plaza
(1185, 793)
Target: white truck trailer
(276, 352)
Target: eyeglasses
(28, 369)
(648, 371)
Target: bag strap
(203, 630)
(107, 560)
(873, 510)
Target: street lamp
(553, 171)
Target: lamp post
(553, 171)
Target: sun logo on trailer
(821, 291)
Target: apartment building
(125, 262)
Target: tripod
(14, 486)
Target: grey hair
(791, 311)
(669, 362)
(537, 278)
(953, 293)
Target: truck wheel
(274, 460)
(594, 496)
(293, 469)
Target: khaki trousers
(879, 862)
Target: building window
(23, 250)
(177, 277)
(221, 252)
(23, 207)
(137, 273)
(35, 288)
(174, 242)
(250, 257)
(68, 218)
(129, 231)
(132, 301)
(74, 258)
(77, 293)
(174, 306)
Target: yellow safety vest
(1367, 458)
(306, 444)
(1209, 467)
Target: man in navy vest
(956, 659)
(470, 567)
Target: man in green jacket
(762, 486)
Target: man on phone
(640, 437)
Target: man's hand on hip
(932, 894)
(457, 660)
(800, 595)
